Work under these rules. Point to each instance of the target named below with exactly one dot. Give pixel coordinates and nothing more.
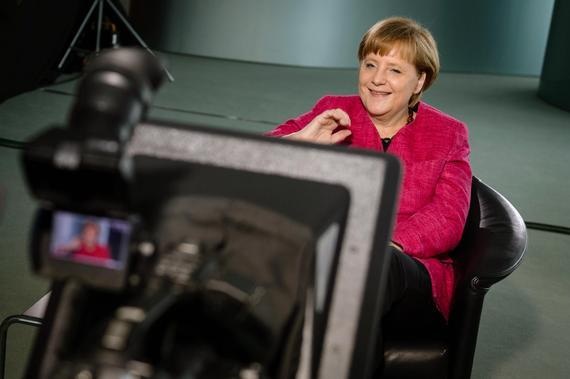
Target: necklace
(410, 116)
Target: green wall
(488, 36)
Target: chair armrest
(494, 247)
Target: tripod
(99, 5)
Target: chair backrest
(493, 244)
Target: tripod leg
(79, 31)
(99, 23)
(136, 35)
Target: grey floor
(519, 146)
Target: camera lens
(115, 92)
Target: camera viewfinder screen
(89, 240)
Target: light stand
(99, 5)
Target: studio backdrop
(487, 36)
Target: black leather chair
(492, 247)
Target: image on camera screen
(89, 240)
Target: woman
(398, 62)
(86, 245)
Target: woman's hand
(323, 128)
(69, 247)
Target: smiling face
(385, 85)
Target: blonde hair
(414, 43)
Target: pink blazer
(434, 198)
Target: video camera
(178, 251)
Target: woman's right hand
(330, 127)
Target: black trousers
(408, 306)
(408, 289)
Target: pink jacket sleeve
(437, 227)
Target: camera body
(80, 172)
(191, 295)
(155, 282)
(178, 251)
